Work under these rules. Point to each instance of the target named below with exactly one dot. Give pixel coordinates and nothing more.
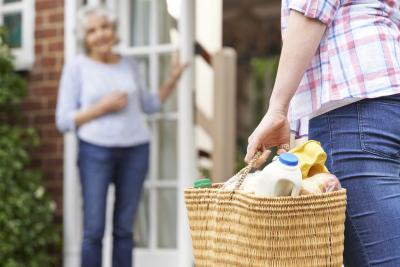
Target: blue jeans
(362, 141)
(99, 166)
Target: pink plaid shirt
(358, 57)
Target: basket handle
(242, 174)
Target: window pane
(167, 155)
(10, 1)
(140, 22)
(165, 70)
(142, 222)
(167, 220)
(166, 23)
(13, 23)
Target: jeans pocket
(379, 121)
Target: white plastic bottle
(282, 177)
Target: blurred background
(202, 131)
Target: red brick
(50, 148)
(30, 105)
(37, 77)
(57, 17)
(48, 61)
(56, 46)
(53, 75)
(44, 119)
(39, 20)
(54, 133)
(51, 102)
(45, 90)
(43, 33)
(36, 85)
(38, 48)
(56, 165)
(46, 5)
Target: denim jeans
(362, 141)
(99, 166)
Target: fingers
(263, 158)
(253, 147)
(283, 148)
(185, 65)
(251, 151)
(117, 100)
(124, 101)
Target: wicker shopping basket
(230, 228)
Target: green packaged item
(202, 183)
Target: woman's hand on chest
(113, 102)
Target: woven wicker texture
(230, 228)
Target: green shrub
(28, 236)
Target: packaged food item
(281, 177)
(248, 184)
(320, 183)
(202, 183)
(312, 158)
(230, 183)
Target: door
(148, 34)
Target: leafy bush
(27, 232)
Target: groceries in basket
(302, 171)
(232, 226)
(320, 183)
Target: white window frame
(24, 56)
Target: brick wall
(40, 104)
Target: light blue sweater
(85, 81)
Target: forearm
(82, 117)
(302, 39)
(167, 88)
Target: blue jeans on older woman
(362, 141)
(99, 166)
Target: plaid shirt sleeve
(322, 10)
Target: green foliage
(263, 76)
(263, 73)
(12, 87)
(27, 231)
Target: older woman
(102, 98)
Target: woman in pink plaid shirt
(338, 82)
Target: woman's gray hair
(83, 14)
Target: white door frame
(186, 149)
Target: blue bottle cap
(289, 159)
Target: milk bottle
(282, 177)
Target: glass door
(149, 35)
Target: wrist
(99, 110)
(279, 101)
(278, 107)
